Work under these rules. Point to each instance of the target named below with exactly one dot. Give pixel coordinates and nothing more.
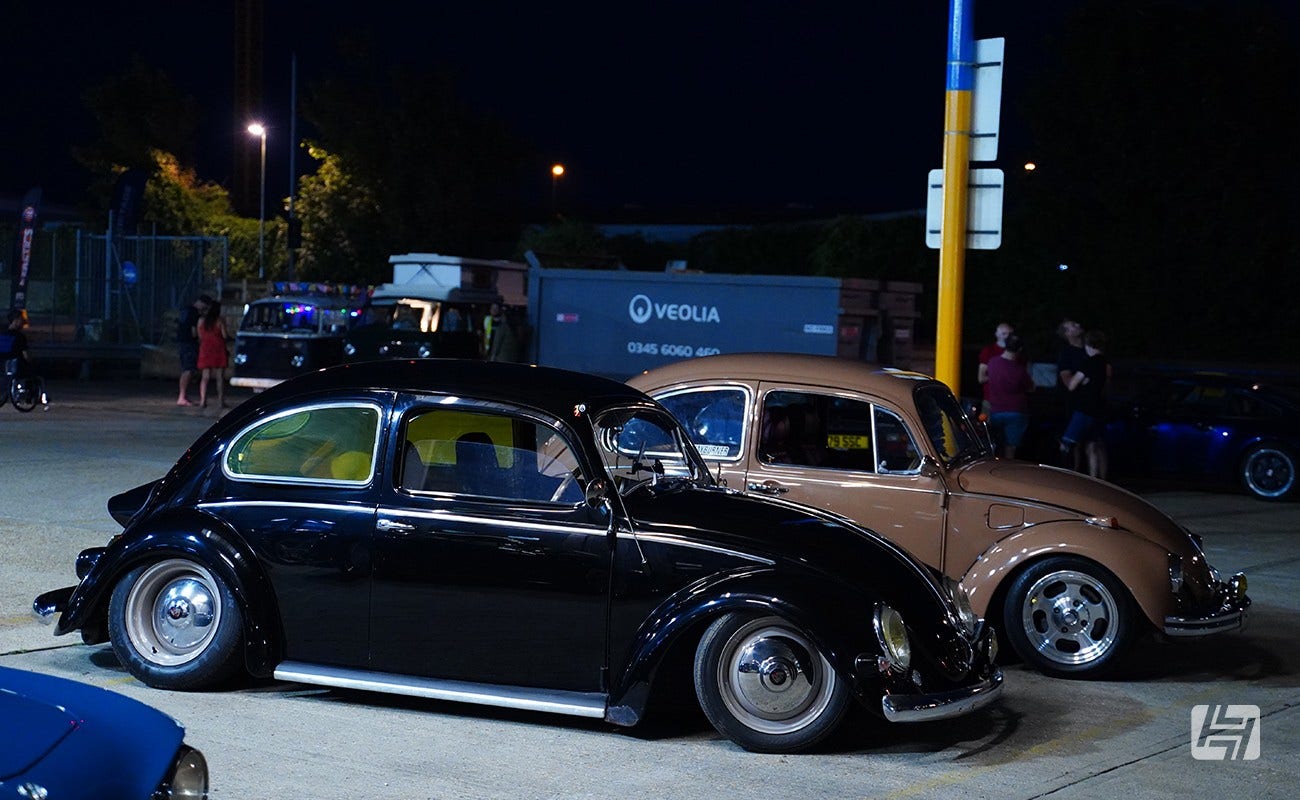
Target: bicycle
(24, 390)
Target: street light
(258, 129)
(556, 171)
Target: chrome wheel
(172, 612)
(763, 683)
(1269, 472)
(1070, 618)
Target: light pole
(258, 129)
(556, 171)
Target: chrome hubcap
(172, 612)
(772, 678)
(1270, 473)
(1070, 618)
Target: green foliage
(341, 218)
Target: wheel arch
(676, 626)
(199, 537)
(1143, 569)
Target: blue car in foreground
(66, 740)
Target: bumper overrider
(1229, 614)
(904, 706)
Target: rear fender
(1143, 567)
(187, 534)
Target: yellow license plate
(847, 441)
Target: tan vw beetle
(1075, 568)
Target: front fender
(189, 534)
(839, 623)
(1141, 565)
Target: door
(849, 454)
(489, 565)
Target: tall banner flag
(128, 201)
(26, 232)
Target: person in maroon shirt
(990, 352)
(1008, 391)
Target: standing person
(13, 344)
(1088, 422)
(990, 352)
(212, 358)
(1068, 364)
(1008, 391)
(187, 345)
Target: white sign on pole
(986, 99)
(984, 212)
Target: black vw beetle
(496, 533)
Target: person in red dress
(212, 353)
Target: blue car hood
(42, 724)
(80, 741)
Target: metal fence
(91, 291)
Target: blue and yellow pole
(958, 104)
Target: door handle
(393, 525)
(767, 488)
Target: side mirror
(597, 493)
(930, 468)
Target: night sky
(834, 107)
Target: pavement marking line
(1072, 741)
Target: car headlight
(892, 634)
(960, 599)
(241, 358)
(188, 779)
(424, 351)
(349, 349)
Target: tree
(342, 238)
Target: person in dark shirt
(187, 345)
(1087, 387)
(1068, 363)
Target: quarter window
(334, 444)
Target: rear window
(327, 443)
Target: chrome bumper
(47, 605)
(942, 705)
(1230, 616)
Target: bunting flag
(26, 232)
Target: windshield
(642, 446)
(288, 316)
(949, 429)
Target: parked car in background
(290, 334)
(1213, 428)
(514, 536)
(66, 740)
(1073, 567)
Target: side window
(895, 450)
(319, 443)
(714, 418)
(487, 454)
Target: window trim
(305, 480)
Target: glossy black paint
(585, 598)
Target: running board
(577, 704)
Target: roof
(555, 391)
(814, 370)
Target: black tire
(24, 393)
(1068, 617)
(765, 685)
(1268, 472)
(176, 625)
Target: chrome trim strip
(369, 509)
(942, 705)
(256, 383)
(676, 541)
(578, 704)
(527, 525)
